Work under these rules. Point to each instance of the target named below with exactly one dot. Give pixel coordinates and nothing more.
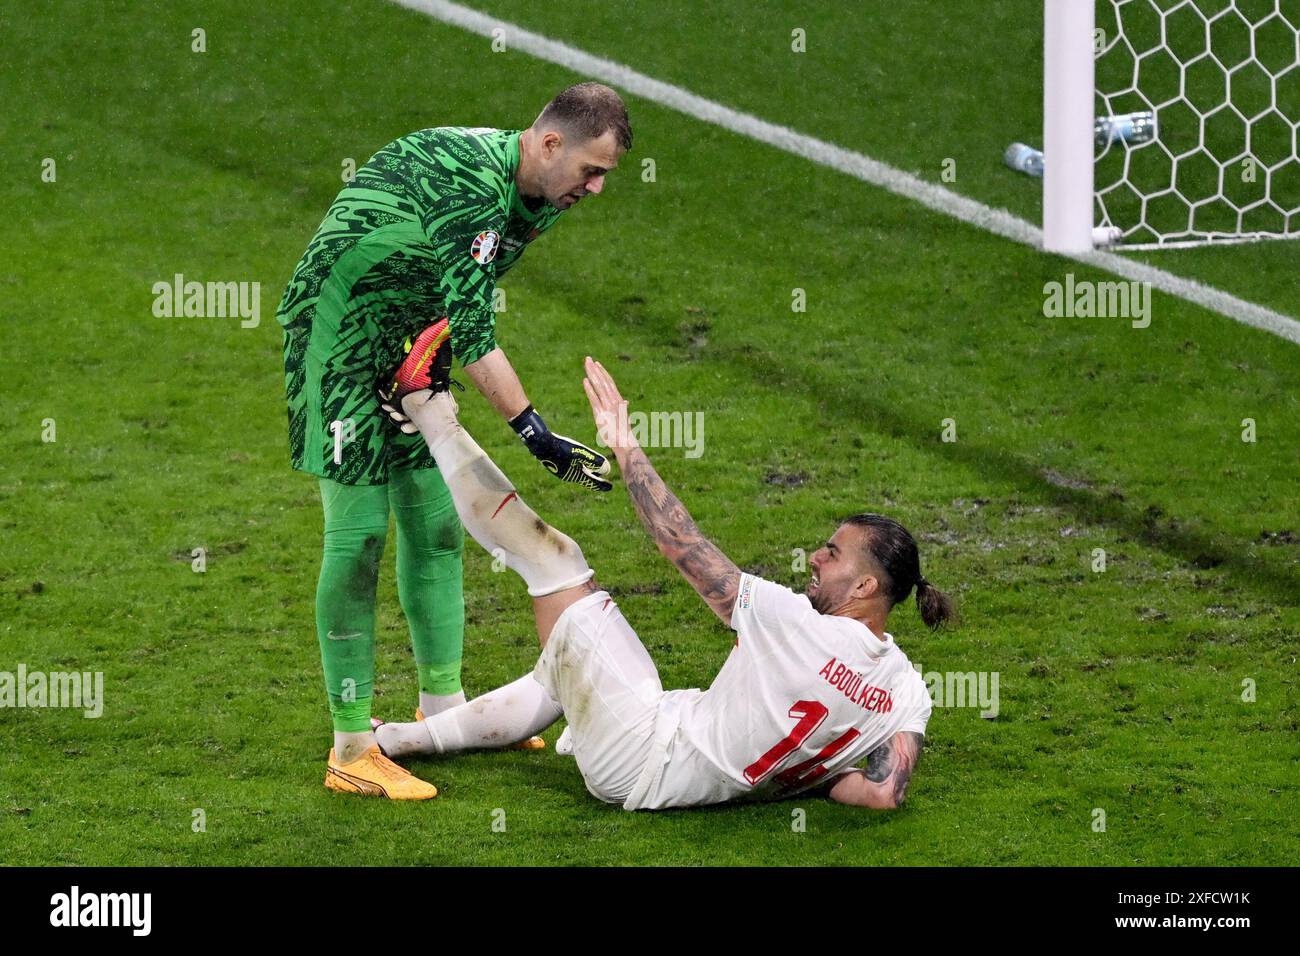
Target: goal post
(1170, 123)
(1067, 125)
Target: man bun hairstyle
(589, 110)
(893, 548)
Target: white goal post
(1067, 125)
(1170, 123)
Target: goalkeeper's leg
(356, 520)
(429, 575)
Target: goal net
(1216, 159)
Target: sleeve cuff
(744, 598)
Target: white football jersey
(803, 697)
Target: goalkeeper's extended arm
(568, 460)
(495, 378)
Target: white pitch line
(997, 221)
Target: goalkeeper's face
(573, 168)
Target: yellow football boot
(374, 775)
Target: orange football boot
(374, 775)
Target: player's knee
(568, 556)
(356, 544)
(433, 528)
(561, 567)
(446, 535)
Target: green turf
(1119, 690)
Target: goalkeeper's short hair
(589, 110)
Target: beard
(821, 604)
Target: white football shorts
(595, 666)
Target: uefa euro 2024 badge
(484, 249)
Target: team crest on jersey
(484, 249)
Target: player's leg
(356, 522)
(509, 715)
(429, 583)
(430, 541)
(344, 425)
(594, 670)
(550, 562)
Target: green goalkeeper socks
(430, 543)
(430, 585)
(356, 523)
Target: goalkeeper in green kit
(423, 232)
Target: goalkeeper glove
(563, 457)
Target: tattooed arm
(707, 569)
(883, 784)
(712, 574)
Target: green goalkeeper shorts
(336, 427)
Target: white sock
(488, 505)
(431, 704)
(564, 746)
(402, 740)
(499, 718)
(349, 746)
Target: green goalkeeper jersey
(424, 230)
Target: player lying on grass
(813, 687)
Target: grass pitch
(1120, 691)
